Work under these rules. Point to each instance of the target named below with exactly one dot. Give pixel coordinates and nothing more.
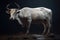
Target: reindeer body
(39, 13)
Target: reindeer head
(12, 11)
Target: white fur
(34, 14)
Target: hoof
(49, 34)
(26, 34)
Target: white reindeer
(39, 13)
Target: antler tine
(7, 6)
(17, 5)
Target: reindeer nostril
(9, 10)
(11, 18)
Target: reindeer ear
(18, 11)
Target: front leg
(18, 19)
(29, 23)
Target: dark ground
(29, 37)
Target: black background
(11, 27)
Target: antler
(17, 5)
(7, 6)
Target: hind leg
(44, 29)
(49, 26)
